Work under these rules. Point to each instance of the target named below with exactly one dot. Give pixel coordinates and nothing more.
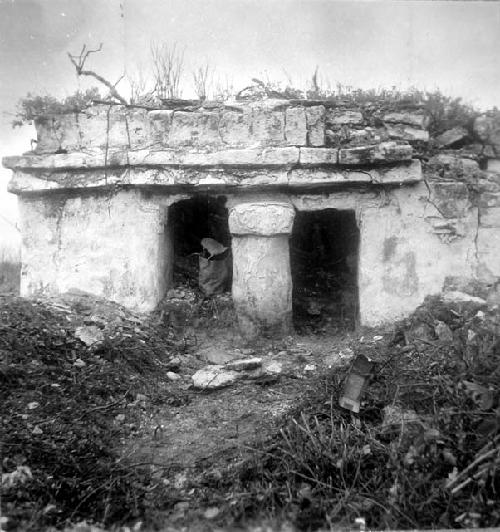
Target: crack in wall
(476, 238)
(106, 147)
(59, 208)
(429, 200)
(219, 133)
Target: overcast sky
(451, 45)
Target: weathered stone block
(405, 173)
(22, 182)
(489, 217)
(117, 134)
(234, 128)
(266, 127)
(365, 136)
(453, 167)
(452, 136)
(340, 117)
(138, 130)
(450, 199)
(159, 126)
(489, 199)
(494, 165)
(266, 218)
(488, 249)
(57, 161)
(419, 120)
(103, 127)
(405, 132)
(487, 128)
(318, 156)
(296, 126)
(315, 119)
(448, 229)
(194, 129)
(57, 133)
(379, 153)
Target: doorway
(324, 251)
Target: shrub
(34, 106)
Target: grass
(327, 467)
(434, 464)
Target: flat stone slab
(215, 377)
(265, 219)
(385, 152)
(298, 177)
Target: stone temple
(111, 191)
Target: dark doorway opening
(191, 221)
(324, 252)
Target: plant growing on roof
(168, 66)
(202, 79)
(34, 106)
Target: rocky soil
(167, 423)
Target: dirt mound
(75, 373)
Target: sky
(453, 46)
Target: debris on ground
(423, 452)
(75, 374)
(105, 425)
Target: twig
(470, 467)
(102, 407)
(79, 63)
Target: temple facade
(97, 195)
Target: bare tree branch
(79, 64)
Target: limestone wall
(462, 195)
(211, 127)
(95, 196)
(110, 245)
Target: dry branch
(168, 64)
(201, 81)
(79, 63)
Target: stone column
(262, 279)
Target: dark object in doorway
(214, 267)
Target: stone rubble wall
(235, 144)
(460, 193)
(215, 127)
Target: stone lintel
(250, 178)
(385, 152)
(266, 218)
(267, 157)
